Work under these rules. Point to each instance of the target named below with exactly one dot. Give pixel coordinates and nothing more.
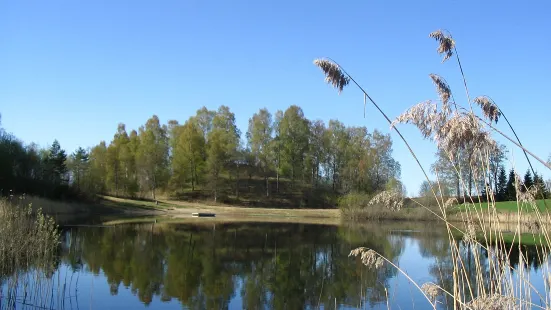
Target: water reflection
(254, 266)
(279, 266)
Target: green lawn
(512, 206)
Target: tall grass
(29, 242)
(474, 283)
(360, 207)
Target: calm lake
(238, 266)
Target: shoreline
(114, 209)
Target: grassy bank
(179, 210)
(510, 206)
(109, 209)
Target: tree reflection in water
(265, 266)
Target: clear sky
(73, 70)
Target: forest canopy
(282, 159)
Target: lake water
(238, 266)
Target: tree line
(458, 177)
(31, 169)
(283, 158)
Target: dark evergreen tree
(501, 194)
(511, 191)
(540, 185)
(528, 181)
(79, 165)
(56, 164)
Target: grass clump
(27, 239)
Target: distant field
(512, 206)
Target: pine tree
(511, 191)
(56, 163)
(528, 181)
(79, 165)
(540, 185)
(501, 194)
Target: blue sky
(73, 70)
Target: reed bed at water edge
(29, 242)
(482, 275)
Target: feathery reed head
(369, 257)
(391, 199)
(469, 237)
(489, 108)
(493, 302)
(333, 73)
(450, 202)
(443, 90)
(463, 131)
(424, 116)
(431, 290)
(446, 46)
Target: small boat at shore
(199, 214)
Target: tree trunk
(216, 187)
(237, 182)
(278, 167)
(334, 176)
(496, 190)
(277, 181)
(266, 180)
(116, 181)
(192, 168)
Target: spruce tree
(511, 191)
(501, 194)
(56, 163)
(540, 185)
(528, 181)
(79, 165)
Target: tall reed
(476, 283)
(29, 242)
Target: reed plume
(461, 131)
(494, 302)
(333, 74)
(391, 199)
(369, 257)
(424, 116)
(446, 44)
(489, 108)
(443, 90)
(431, 290)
